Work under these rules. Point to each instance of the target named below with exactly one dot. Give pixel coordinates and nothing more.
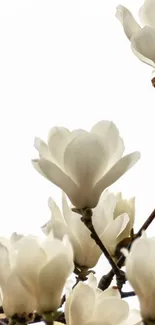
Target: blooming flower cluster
(35, 272)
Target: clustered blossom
(142, 38)
(82, 163)
(34, 271)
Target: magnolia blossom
(142, 38)
(16, 299)
(140, 268)
(43, 268)
(33, 274)
(113, 219)
(86, 252)
(83, 163)
(88, 305)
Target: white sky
(68, 63)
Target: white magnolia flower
(16, 299)
(43, 268)
(88, 305)
(140, 270)
(113, 219)
(142, 39)
(86, 252)
(83, 163)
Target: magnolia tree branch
(87, 220)
(106, 279)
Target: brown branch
(87, 220)
(127, 294)
(106, 279)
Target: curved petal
(112, 234)
(51, 282)
(16, 299)
(111, 138)
(58, 177)
(126, 18)
(85, 160)
(42, 148)
(112, 310)
(143, 45)
(56, 213)
(147, 13)
(58, 139)
(81, 304)
(115, 173)
(4, 265)
(104, 212)
(30, 258)
(134, 318)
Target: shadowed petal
(147, 13)
(58, 177)
(115, 173)
(85, 160)
(127, 20)
(143, 45)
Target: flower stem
(87, 220)
(106, 279)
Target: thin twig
(127, 294)
(87, 220)
(106, 279)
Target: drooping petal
(85, 160)
(43, 149)
(16, 299)
(109, 134)
(147, 13)
(143, 45)
(58, 139)
(127, 20)
(115, 173)
(51, 282)
(59, 178)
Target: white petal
(42, 148)
(58, 139)
(111, 235)
(30, 259)
(127, 20)
(15, 237)
(92, 281)
(56, 213)
(103, 213)
(16, 299)
(115, 173)
(81, 304)
(112, 310)
(85, 160)
(57, 177)
(4, 265)
(147, 13)
(143, 45)
(134, 318)
(109, 134)
(51, 282)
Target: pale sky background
(68, 63)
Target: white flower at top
(86, 252)
(142, 39)
(88, 305)
(35, 275)
(83, 163)
(140, 270)
(113, 219)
